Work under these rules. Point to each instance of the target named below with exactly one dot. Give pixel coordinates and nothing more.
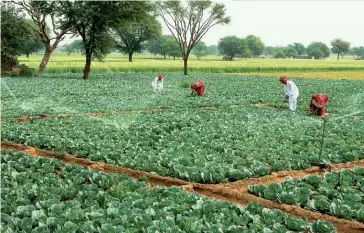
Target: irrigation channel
(236, 192)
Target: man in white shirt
(290, 91)
(157, 84)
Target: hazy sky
(285, 22)
(289, 21)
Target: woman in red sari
(198, 87)
(318, 103)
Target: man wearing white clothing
(291, 92)
(157, 84)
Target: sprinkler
(321, 163)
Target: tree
(278, 52)
(156, 46)
(92, 20)
(290, 51)
(340, 47)
(172, 47)
(269, 51)
(39, 11)
(200, 50)
(75, 47)
(231, 46)
(131, 37)
(245, 51)
(13, 32)
(189, 23)
(164, 45)
(212, 50)
(255, 45)
(318, 50)
(300, 48)
(32, 43)
(358, 52)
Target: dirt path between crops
(153, 110)
(43, 116)
(236, 192)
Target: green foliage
(358, 52)
(321, 226)
(232, 46)
(130, 37)
(75, 47)
(318, 50)
(238, 143)
(189, 21)
(125, 205)
(339, 194)
(212, 50)
(200, 50)
(164, 45)
(290, 51)
(300, 48)
(14, 33)
(340, 46)
(255, 45)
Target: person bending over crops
(198, 87)
(318, 103)
(290, 92)
(157, 84)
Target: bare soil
(236, 192)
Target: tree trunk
(338, 54)
(130, 57)
(27, 55)
(164, 56)
(86, 71)
(44, 62)
(185, 59)
(48, 52)
(174, 57)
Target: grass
(329, 68)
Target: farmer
(157, 84)
(290, 91)
(198, 87)
(318, 103)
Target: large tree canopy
(14, 33)
(131, 37)
(200, 50)
(92, 20)
(232, 46)
(39, 12)
(300, 48)
(189, 21)
(340, 46)
(255, 45)
(33, 42)
(318, 50)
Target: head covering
(283, 79)
(160, 77)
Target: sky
(279, 23)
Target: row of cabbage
(340, 194)
(67, 93)
(207, 146)
(45, 195)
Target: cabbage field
(45, 195)
(338, 193)
(240, 129)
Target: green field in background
(115, 62)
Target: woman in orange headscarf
(318, 103)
